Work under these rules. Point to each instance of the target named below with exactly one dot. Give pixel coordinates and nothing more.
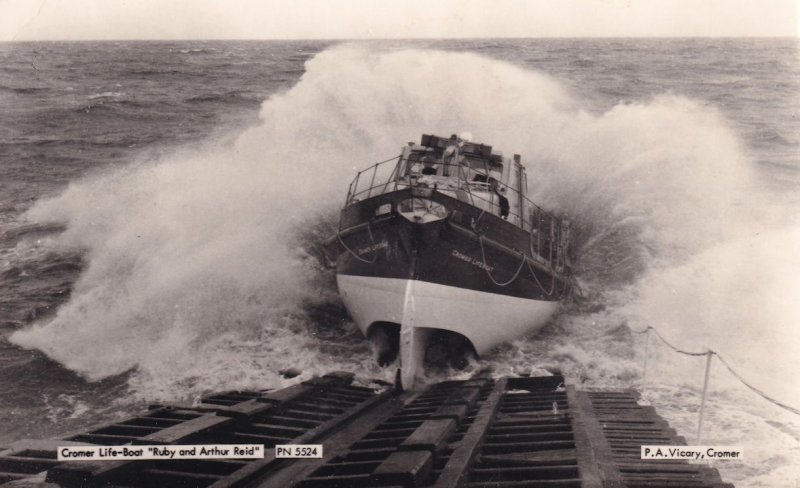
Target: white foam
(195, 279)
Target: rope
(553, 284)
(519, 269)
(516, 274)
(536, 278)
(539, 283)
(523, 262)
(725, 363)
(372, 240)
(489, 273)
(680, 351)
(756, 390)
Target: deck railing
(546, 231)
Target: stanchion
(709, 354)
(644, 366)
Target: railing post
(394, 176)
(644, 367)
(539, 231)
(372, 182)
(709, 354)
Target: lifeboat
(440, 255)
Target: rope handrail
(756, 390)
(711, 352)
(674, 348)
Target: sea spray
(196, 278)
(736, 298)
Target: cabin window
(422, 206)
(469, 168)
(421, 163)
(383, 209)
(476, 170)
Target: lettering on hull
(472, 261)
(372, 248)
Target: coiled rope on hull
(524, 261)
(352, 253)
(489, 273)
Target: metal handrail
(540, 223)
(354, 192)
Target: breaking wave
(200, 268)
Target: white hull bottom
(486, 319)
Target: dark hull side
(468, 249)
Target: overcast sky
(349, 19)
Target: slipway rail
(481, 432)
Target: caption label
(112, 453)
(293, 451)
(692, 453)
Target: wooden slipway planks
(481, 432)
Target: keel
(413, 341)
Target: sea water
(162, 204)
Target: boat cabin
(471, 172)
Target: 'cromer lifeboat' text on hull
(442, 255)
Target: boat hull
(463, 271)
(486, 319)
